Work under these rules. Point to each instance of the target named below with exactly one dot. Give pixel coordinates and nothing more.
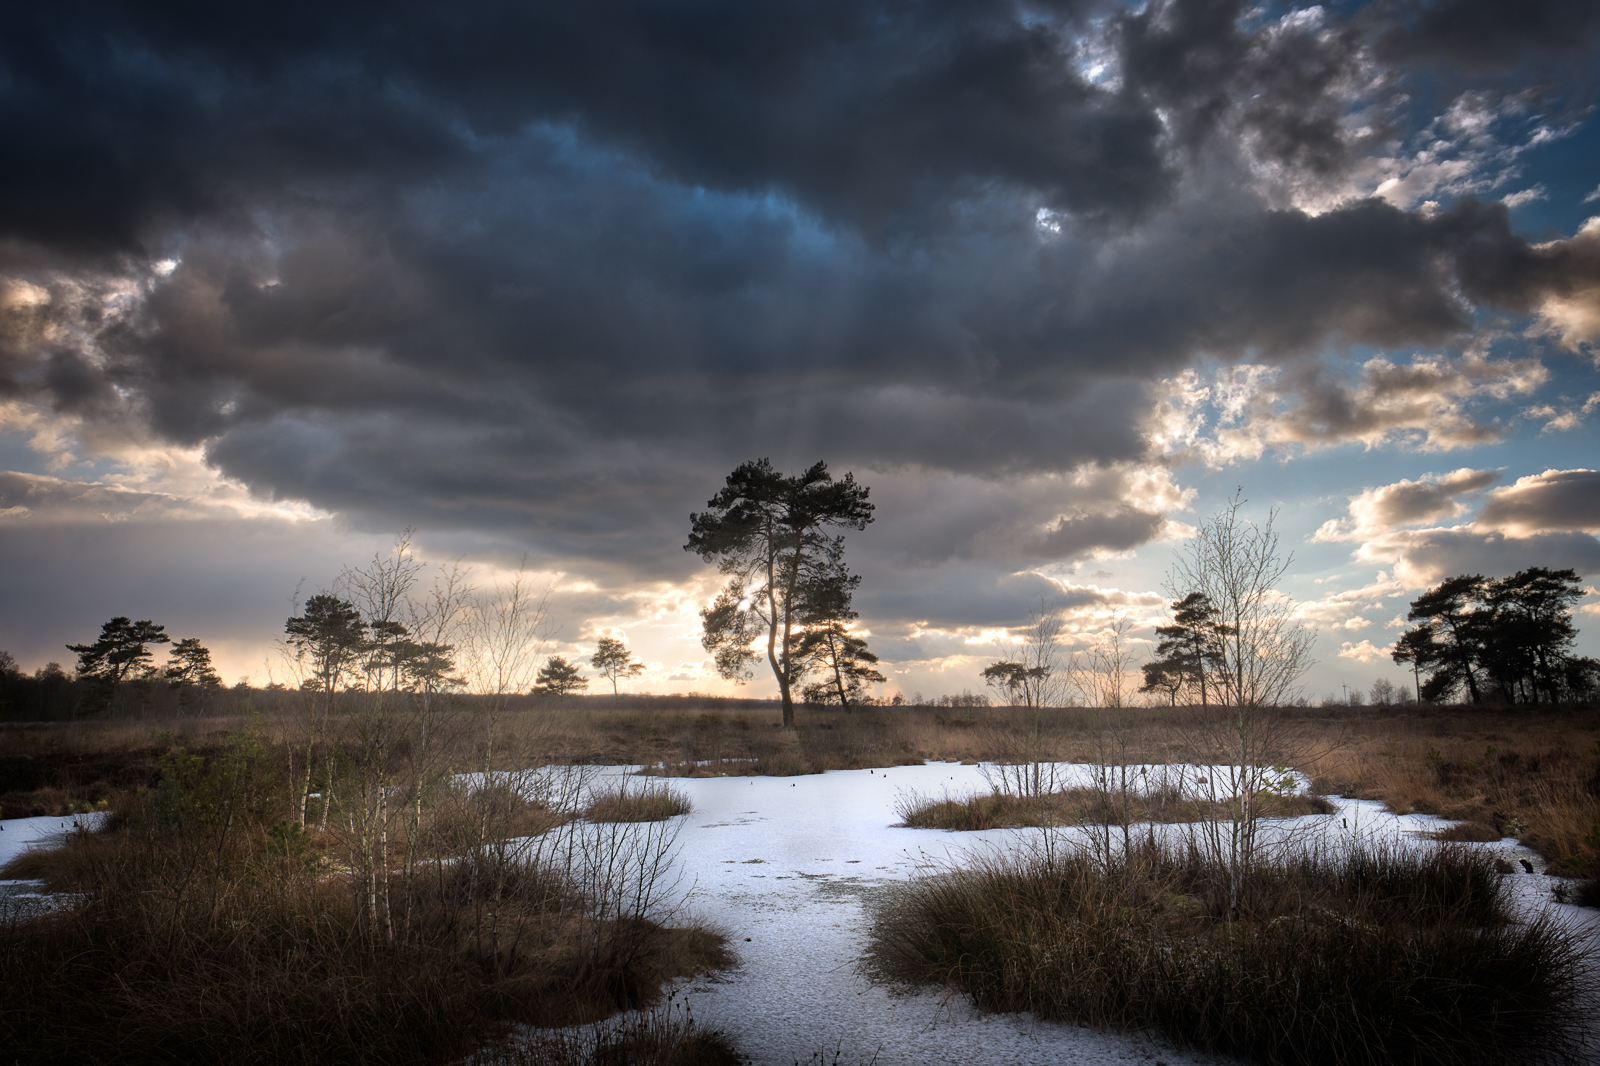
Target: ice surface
(21, 899)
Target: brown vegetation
(212, 929)
(1509, 771)
(1361, 957)
(1083, 806)
(1534, 770)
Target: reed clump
(1365, 956)
(1082, 806)
(644, 800)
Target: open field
(1535, 770)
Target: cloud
(1363, 652)
(1432, 403)
(535, 278)
(1571, 307)
(1546, 519)
(1554, 501)
(1484, 33)
(1432, 497)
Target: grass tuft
(1080, 806)
(647, 801)
(1369, 957)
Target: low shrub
(1371, 956)
(646, 801)
(207, 935)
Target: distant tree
(1382, 693)
(1450, 639)
(1506, 638)
(1187, 652)
(119, 656)
(1029, 672)
(1531, 633)
(844, 662)
(766, 532)
(559, 678)
(614, 661)
(9, 670)
(327, 640)
(330, 637)
(189, 670)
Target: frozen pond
(788, 863)
(785, 866)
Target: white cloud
(1364, 652)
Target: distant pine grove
(1475, 640)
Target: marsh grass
(640, 800)
(211, 937)
(1081, 806)
(1373, 955)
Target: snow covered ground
(20, 899)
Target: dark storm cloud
(134, 116)
(554, 269)
(1485, 33)
(1204, 63)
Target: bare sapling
(1241, 743)
(1101, 676)
(1034, 671)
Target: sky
(1055, 280)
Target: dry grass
(212, 933)
(1532, 773)
(645, 801)
(1082, 806)
(1535, 770)
(1368, 957)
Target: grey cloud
(1413, 502)
(1484, 33)
(550, 272)
(1277, 85)
(1433, 555)
(1556, 500)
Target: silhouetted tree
(614, 661)
(120, 655)
(765, 531)
(1509, 638)
(189, 670)
(843, 660)
(327, 639)
(559, 678)
(1028, 674)
(1188, 650)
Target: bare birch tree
(1241, 742)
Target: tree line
(1507, 640)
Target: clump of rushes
(648, 800)
(210, 932)
(1372, 955)
(1082, 806)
